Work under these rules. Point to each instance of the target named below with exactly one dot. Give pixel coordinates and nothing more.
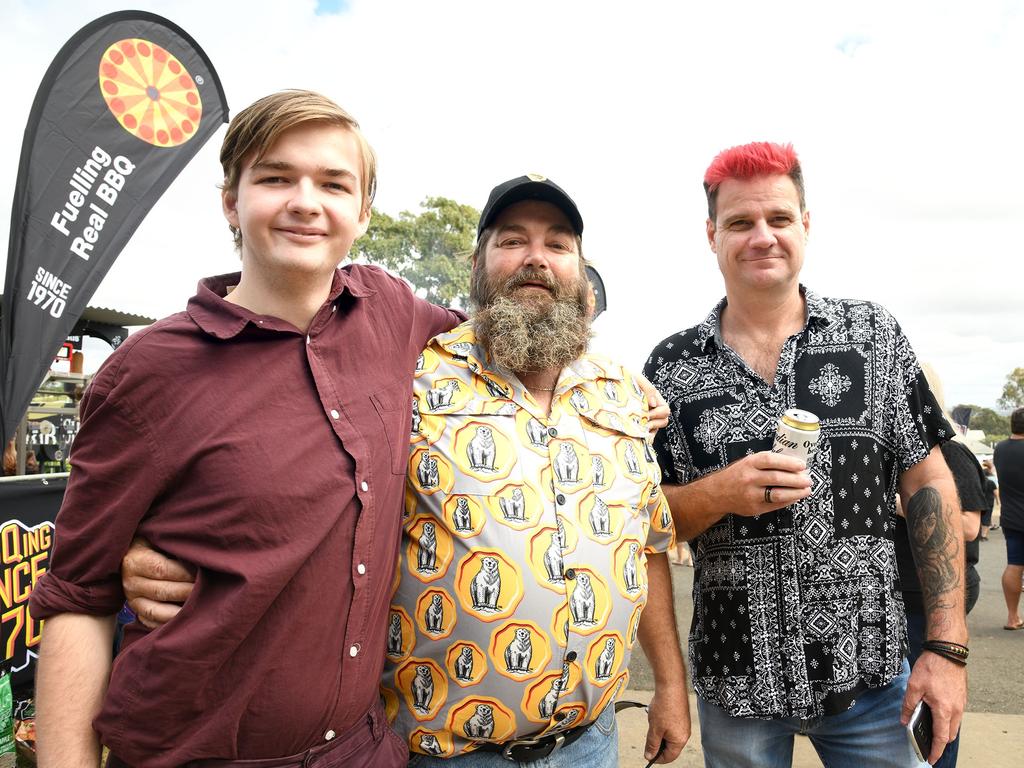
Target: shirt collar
(460, 342)
(224, 320)
(591, 366)
(817, 311)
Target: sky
(906, 117)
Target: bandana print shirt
(798, 611)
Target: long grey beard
(536, 334)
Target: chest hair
(761, 354)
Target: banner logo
(112, 125)
(24, 557)
(150, 93)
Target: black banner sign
(124, 106)
(26, 535)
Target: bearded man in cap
(538, 510)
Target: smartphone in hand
(920, 730)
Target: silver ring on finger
(768, 495)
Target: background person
(991, 498)
(1008, 459)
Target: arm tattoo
(935, 549)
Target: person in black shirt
(1009, 461)
(991, 489)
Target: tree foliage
(1013, 390)
(994, 426)
(430, 249)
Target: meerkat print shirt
(521, 576)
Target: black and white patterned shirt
(796, 612)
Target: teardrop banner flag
(124, 106)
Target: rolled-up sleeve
(114, 480)
(662, 535)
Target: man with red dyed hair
(798, 626)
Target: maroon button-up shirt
(274, 461)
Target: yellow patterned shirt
(522, 571)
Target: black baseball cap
(530, 187)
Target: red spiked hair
(750, 161)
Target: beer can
(797, 434)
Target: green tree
(430, 249)
(1013, 390)
(994, 426)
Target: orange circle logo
(604, 658)
(424, 685)
(482, 718)
(150, 92)
(466, 663)
(488, 585)
(428, 548)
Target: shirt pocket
(620, 438)
(393, 405)
(482, 449)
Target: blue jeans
(597, 748)
(867, 734)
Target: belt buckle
(506, 753)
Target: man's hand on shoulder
(155, 585)
(658, 411)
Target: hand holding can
(797, 434)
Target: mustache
(530, 275)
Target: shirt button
(560, 499)
(335, 415)
(571, 573)
(553, 432)
(354, 650)
(570, 656)
(360, 569)
(334, 307)
(329, 735)
(364, 486)
(308, 339)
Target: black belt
(530, 749)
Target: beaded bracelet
(948, 650)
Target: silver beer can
(797, 434)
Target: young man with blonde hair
(261, 435)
